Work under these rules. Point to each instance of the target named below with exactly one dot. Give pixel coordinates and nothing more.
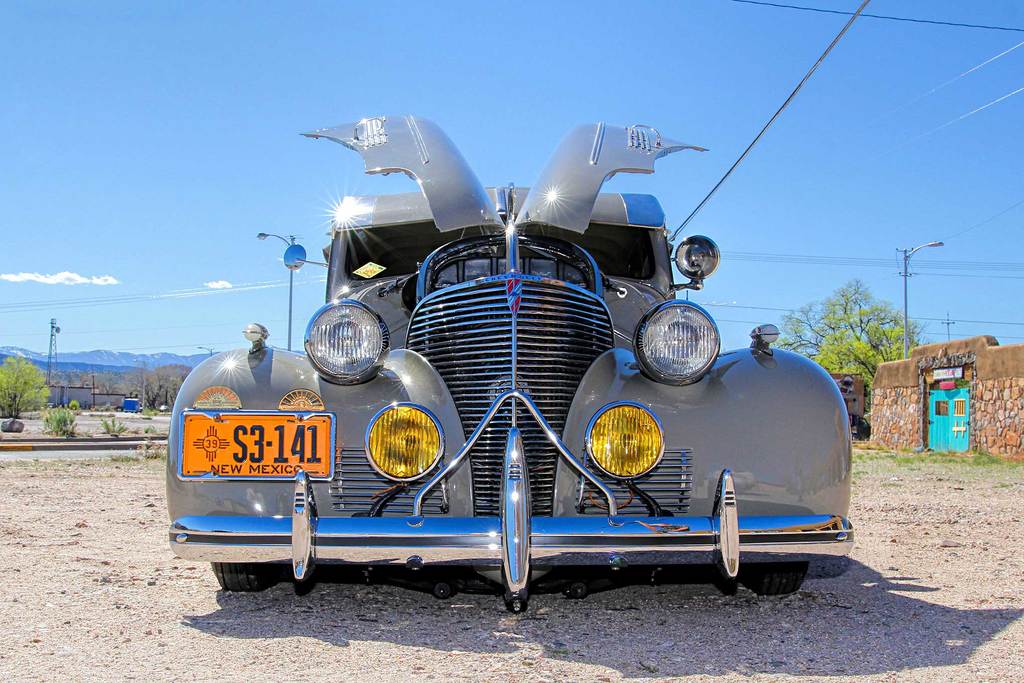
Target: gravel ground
(91, 591)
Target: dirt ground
(91, 591)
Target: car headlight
(676, 342)
(404, 442)
(347, 341)
(625, 440)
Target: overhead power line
(946, 267)
(757, 138)
(936, 22)
(776, 309)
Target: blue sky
(150, 142)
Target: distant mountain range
(100, 360)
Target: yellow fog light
(404, 442)
(625, 440)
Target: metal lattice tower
(51, 357)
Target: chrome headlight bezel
(375, 363)
(658, 374)
(367, 451)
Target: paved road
(60, 455)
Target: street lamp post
(907, 253)
(289, 240)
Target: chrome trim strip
(515, 518)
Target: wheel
(577, 590)
(442, 590)
(245, 577)
(774, 579)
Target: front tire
(245, 577)
(774, 579)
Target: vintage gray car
(503, 386)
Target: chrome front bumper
(515, 544)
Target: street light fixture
(290, 242)
(208, 349)
(907, 253)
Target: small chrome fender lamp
(256, 335)
(763, 336)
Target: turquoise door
(949, 414)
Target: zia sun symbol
(211, 443)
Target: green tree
(849, 332)
(22, 387)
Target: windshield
(387, 251)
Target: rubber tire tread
(782, 579)
(244, 577)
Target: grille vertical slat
(356, 484)
(465, 333)
(669, 484)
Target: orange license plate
(271, 445)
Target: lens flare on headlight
(404, 442)
(625, 440)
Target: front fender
(777, 421)
(261, 380)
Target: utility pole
(907, 254)
(948, 323)
(51, 357)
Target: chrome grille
(356, 484)
(465, 333)
(669, 484)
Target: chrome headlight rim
(589, 442)
(358, 378)
(657, 374)
(379, 414)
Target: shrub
(149, 430)
(113, 427)
(22, 387)
(59, 421)
(150, 412)
(74, 405)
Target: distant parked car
(503, 381)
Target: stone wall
(896, 417)
(997, 415)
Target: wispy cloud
(218, 284)
(62, 278)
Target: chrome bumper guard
(515, 541)
(513, 544)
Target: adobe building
(961, 395)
